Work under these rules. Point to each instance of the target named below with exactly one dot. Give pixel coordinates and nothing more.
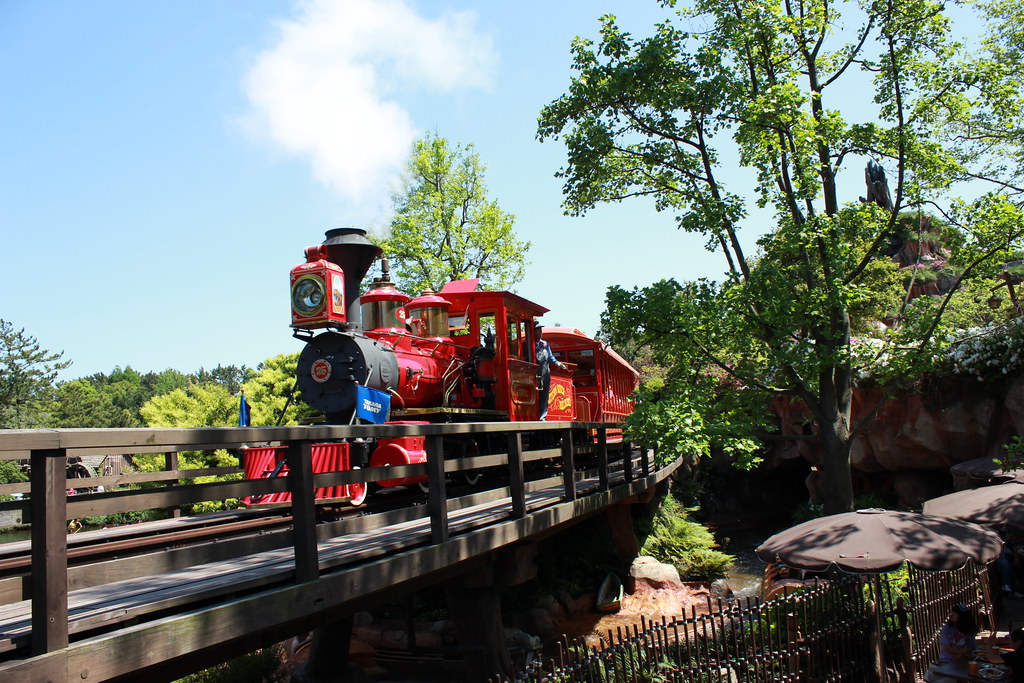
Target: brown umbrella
(984, 469)
(990, 506)
(868, 541)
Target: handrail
(115, 441)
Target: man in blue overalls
(545, 359)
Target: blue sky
(165, 163)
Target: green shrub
(123, 518)
(262, 666)
(11, 473)
(673, 538)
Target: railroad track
(125, 541)
(97, 545)
(116, 542)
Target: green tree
(84, 404)
(197, 405)
(747, 85)
(232, 377)
(157, 383)
(269, 389)
(27, 374)
(446, 228)
(114, 400)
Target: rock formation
(914, 438)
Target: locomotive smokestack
(354, 254)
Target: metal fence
(839, 628)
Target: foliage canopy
(27, 374)
(729, 89)
(445, 226)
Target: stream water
(745, 575)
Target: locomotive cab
(496, 328)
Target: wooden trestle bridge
(85, 607)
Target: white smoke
(333, 88)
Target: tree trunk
(835, 402)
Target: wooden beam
(14, 442)
(517, 480)
(49, 552)
(436, 495)
(568, 466)
(300, 483)
(602, 458)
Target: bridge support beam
(476, 610)
(328, 657)
(620, 520)
(475, 605)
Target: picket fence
(864, 628)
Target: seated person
(1008, 566)
(956, 640)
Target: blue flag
(372, 405)
(243, 412)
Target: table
(959, 670)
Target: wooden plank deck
(101, 606)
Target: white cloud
(332, 89)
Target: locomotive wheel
(358, 492)
(472, 476)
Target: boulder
(539, 621)
(720, 589)
(913, 488)
(647, 573)
(1014, 403)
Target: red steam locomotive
(460, 355)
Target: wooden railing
(536, 457)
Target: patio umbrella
(984, 469)
(990, 506)
(869, 541)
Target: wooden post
(627, 462)
(171, 465)
(516, 478)
(49, 579)
(645, 461)
(794, 642)
(476, 609)
(602, 458)
(909, 673)
(328, 652)
(877, 654)
(437, 497)
(568, 466)
(620, 520)
(300, 483)
(982, 573)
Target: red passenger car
(602, 379)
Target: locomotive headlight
(308, 295)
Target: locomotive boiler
(458, 355)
